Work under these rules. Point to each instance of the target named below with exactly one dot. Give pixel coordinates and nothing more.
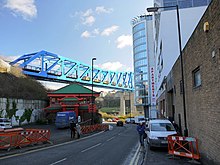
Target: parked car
(139, 119)
(109, 120)
(120, 123)
(129, 120)
(157, 132)
(5, 123)
(115, 119)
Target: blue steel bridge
(47, 66)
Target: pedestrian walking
(72, 129)
(78, 130)
(141, 131)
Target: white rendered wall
(168, 34)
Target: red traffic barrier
(183, 146)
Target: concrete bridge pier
(127, 96)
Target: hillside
(16, 85)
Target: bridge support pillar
(130, 108)
(122, 104)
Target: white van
(139, 119)
(5, 123)
(157, 132)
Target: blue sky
(79, 30)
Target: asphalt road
(113, 147)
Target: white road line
(45, 148)
(111, 138)
(58, 161)
(91, 147)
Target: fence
(19, 137)
(183, 146)
(93, 128)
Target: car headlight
(153, 137)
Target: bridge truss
(44, 65)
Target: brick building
(201, 61)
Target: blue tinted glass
(138, 27)
(139, 34)
(200, 2)
(140, 55)
(139, 48)
(185, 3)
(140, 41)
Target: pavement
(160, 156)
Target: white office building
(156, 48)
(144, 62)
(166, 39)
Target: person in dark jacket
(73, 129)
(141, 130)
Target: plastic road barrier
(18, 137)
(93, 128)
(183, 146)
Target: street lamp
(93, 59)
(155, 9)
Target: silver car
(157, 132)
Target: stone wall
(21, 105)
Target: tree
(11, 112)
(26, 116)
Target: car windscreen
(162, 127)
(141, 119)
(5, 120)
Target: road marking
(134, 159)
(58, 161)
(49, 147)
(91, 147)
(111, 138)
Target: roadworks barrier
(183, 147)
(93, 128)
(18, 137)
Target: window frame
(196, 73)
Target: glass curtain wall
(140, 63)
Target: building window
(197, 78)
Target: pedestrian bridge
(47, 66)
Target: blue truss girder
(52, 67)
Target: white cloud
(89, 20)
(96, 31)
(86, 34)
(109, 31)
(123, 41)
(25, 8)
(87, 13)
(115, 66)
(102, 9)
(9, 58)
(52, 85)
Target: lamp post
(155, 9)
(93, 59)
